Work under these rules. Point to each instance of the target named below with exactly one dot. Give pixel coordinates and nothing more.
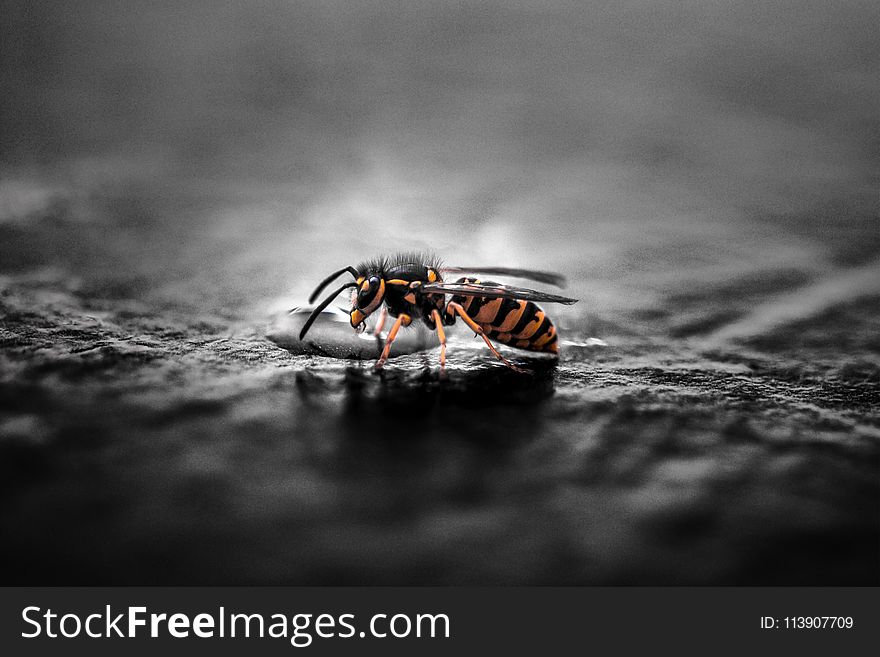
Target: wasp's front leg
(403, 320)
(380, 322)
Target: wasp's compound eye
(370, 292)
(367, 290)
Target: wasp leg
(476, 328)
(403, 320)
(441, 335)
(380, 323)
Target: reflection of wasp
(411, 286)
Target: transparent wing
(530, 274)
(494, 291)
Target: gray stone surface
(146, 445)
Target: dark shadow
(410, 440)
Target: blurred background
(180, 171)
(244, 149)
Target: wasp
(409, 287)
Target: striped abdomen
(513, 322)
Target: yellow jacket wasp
(412, 286)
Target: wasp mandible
(411, 287)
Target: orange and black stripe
(513, 322)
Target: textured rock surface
(144, 444)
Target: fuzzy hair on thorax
(382, 264)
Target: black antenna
(326, 302)
(326, 281)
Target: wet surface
(173, 181)
(139, 446)
(332, 335)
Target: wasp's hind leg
(441, 335)
(403, 320)
(476, 328)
